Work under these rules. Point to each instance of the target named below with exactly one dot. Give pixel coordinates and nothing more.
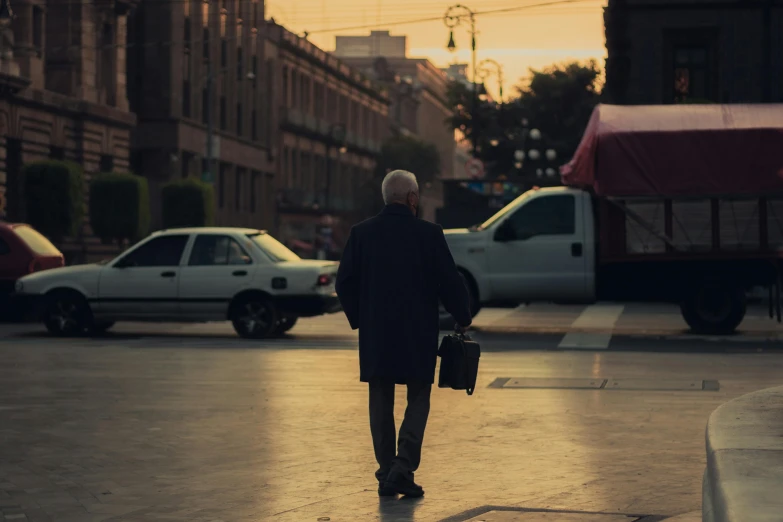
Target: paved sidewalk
(95, 431)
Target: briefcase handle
(464, 337)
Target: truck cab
(541, 246)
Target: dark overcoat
(394, 269)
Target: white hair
(397, 185)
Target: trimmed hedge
(119, 207)
(188, 203)
(54, 198)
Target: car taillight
(324, 280)
(34, 267)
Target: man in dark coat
(394, 270)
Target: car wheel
(446, 321)
(285, 324)
(254, 317)
(101, 327)
(67, 314)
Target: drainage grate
(627, 384)
(509, 514)
(532, 516)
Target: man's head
(400, 186)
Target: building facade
(332, 122)
(64, 93)
(197, 69)
(676, 51)
(378, 43)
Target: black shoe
(386, 491)
(403, 485)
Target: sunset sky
(536, 36)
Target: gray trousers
(403, 455)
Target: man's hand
(458, 328)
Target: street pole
(207, 176)
(454, 16)
(474, 105)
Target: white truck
(676, 228)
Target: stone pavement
(124, 429)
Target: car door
(218, 268)
(537, 253)
(143, 283)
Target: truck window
(546, 216)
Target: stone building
(196, 65)
(63, 91)
(332, 122)
(673, 51)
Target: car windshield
(276, 251)
(37, 242)
(505, 210)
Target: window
(253, 176)
(545, 216)
(223, 115)
(253, 125)
(273, 248)
(36, 241)
(240, 65)
(218, 250)
(239, 176)
(38, 29)
(285, 87)
(161, 251)
(186, 98)
(239, 119)
(106, 163)
(691, 81)
(56, 153)
(205, 108)
(221, 187)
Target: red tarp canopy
(675, 150)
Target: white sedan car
(187, 275)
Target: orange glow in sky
(533, 37)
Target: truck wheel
(446, 321)
(714, 309)
(254, 317)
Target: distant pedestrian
(394, 270)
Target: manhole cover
(529, 516)
(574, 384)
(654, 385)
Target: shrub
(119, 207)
(54, 197)
(187, 203)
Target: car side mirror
(505, 232)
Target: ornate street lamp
(454, 17)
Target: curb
(744, 475)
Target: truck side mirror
(505, 232)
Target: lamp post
(534, 154)
(489, 66)
(454, 17)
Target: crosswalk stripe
(595, 316)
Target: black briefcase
(459, 361)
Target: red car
(23, 250)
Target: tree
(559, 101)
(119, 207)
(54, 192)
(411, 154)
(188, 203)
(403, 153)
